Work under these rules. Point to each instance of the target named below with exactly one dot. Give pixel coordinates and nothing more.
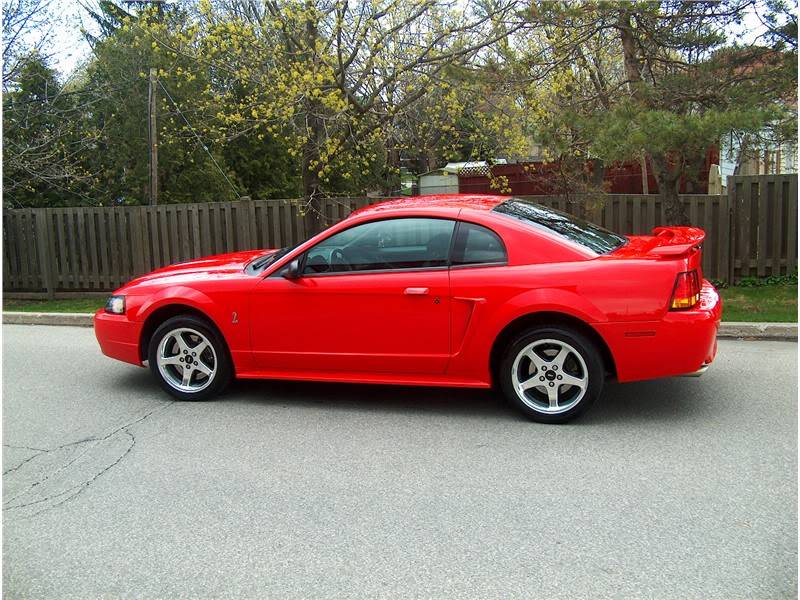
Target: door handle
(412, 291)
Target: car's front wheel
(552, 374)
(189, 358)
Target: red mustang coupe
(456, 290)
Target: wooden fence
(92, 249)
(750, 232)
(637, 214)
(763, 226)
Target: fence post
(728, 227)
(43, 248)
(791, 241)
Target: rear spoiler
(672, 242)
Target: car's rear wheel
(189, 358)
(552, 374)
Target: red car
(452, 290)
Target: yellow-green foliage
(341, 88)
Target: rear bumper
(118, 337)
(683, 342)
(697, 373)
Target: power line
(199, 139)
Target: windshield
(587, 234)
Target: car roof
(454, 202)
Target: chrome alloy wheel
(550, 376)
(187, 360)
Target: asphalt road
(680, 488)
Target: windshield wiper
(262, 262)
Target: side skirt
(377, 378)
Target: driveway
(678, 488)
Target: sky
(68, 46)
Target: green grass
(773, 303)
(769, 303)
(73, 305)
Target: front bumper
(683, 342)
(118, 337)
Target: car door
(373, 298)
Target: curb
(727, 329)
(757, 331)
(37, 318)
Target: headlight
(116, 305)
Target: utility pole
(152, 136)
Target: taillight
(686, 292)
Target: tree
(673, 89)
(84, 141)
(192, 166)
(42, 118)
(46, 139)
(570, 72)
(328, 79)
(773, 58)
(120, 68)
(468, 115)
(26, 29)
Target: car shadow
(463, 402)
(667, 400)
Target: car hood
(218, 265)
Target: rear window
(476, 245)
(586, 234)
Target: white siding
(438, 184)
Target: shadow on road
(668, 400)
(374, 398)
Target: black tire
(223, 367)
(573, 403)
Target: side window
(411, 243)
(477, 245)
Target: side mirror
(293, 269)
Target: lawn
(73, 305)
(773, 303)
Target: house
(746, 157)
(438, 181)
(445, 180)
(761, 154)
(538, 178)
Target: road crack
(25, 448)
(68, 469)
(30, 458)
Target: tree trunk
(674, 211)
(391, 180)
(431, 161)
(313, 217)
(633, 69)
(598, 173)
(312, 207)
(668, 178)
(697, 180)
